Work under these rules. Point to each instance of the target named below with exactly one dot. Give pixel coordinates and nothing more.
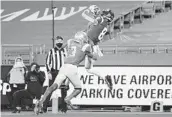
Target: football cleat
(70, 106)
(108, 80)
(37, 108)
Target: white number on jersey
(104, 31)
(72, 51)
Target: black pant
(18, 96)
(63, 105)
(13, 90)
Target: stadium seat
(129, 18)
(168, 4)
(148, 10)
(119, 23)
(138, 15)
(159, 6)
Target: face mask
(18, 64)
(59, 45)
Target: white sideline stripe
(86, 112)
(16, 114)
(136, 35)
(113, 112)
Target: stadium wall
(133, 85)
(123, 59)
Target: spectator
(54, 60)
(34, 80)
(16, 78)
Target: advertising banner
(131, 86)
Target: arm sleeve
(48, 61)
(86, 48)
(41, 77)
(27, 77)
(7, 78)
(86, 16)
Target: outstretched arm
(87, 17)
(109, 34)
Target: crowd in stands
(26, 84)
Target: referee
(54, 60)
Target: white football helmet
(81, 36)
(95, 10)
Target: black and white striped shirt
(55, 59)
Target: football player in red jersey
(100, 27)
(95, 34)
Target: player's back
(97, 32)
(75, 55)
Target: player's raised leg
(74, 79)
(58, 81)
(89, 62)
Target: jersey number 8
(72, 51)
(104, 31)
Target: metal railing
(26, 51)
(137, 49)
